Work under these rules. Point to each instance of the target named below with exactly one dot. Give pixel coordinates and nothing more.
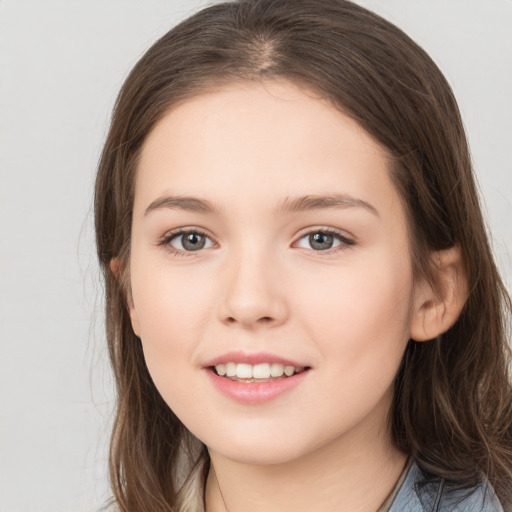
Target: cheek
(172, 310)
(170, 300)
(361, 314)
(360, 325)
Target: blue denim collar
(418, 495)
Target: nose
(254, 295)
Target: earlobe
(133, 317)
(115, 267)
(437, 306)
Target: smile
(263, 372)
(253, 379)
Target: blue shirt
(413, 496)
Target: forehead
(262, 140)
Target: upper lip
(252, 359)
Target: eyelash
(345, 241)
(171, 235)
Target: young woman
(303, 312)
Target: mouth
(255, 378)
(257, 373)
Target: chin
(259, 450)
(257, 455)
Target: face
(270, 272)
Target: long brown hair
(452, 407)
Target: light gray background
(61, 65)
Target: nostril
(262, 320)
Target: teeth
(276, 370)
(244, 371)
(261, 371)
(258, 371)
(231, 369)
(289, 370)
(221, 369)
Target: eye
(323, 240)
(187, 241)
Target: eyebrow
(190, 204)
(297, 204)
(317, 202)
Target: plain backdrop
(61, 65)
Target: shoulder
(415, 495)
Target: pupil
(193, 242)
(321, 241)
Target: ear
(436, 307)
(115, 267)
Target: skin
(259, 286)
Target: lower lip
(255, 392)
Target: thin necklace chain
(220, 490)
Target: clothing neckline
(392, 495)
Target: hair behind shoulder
(452, 407)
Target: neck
(344, 475)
